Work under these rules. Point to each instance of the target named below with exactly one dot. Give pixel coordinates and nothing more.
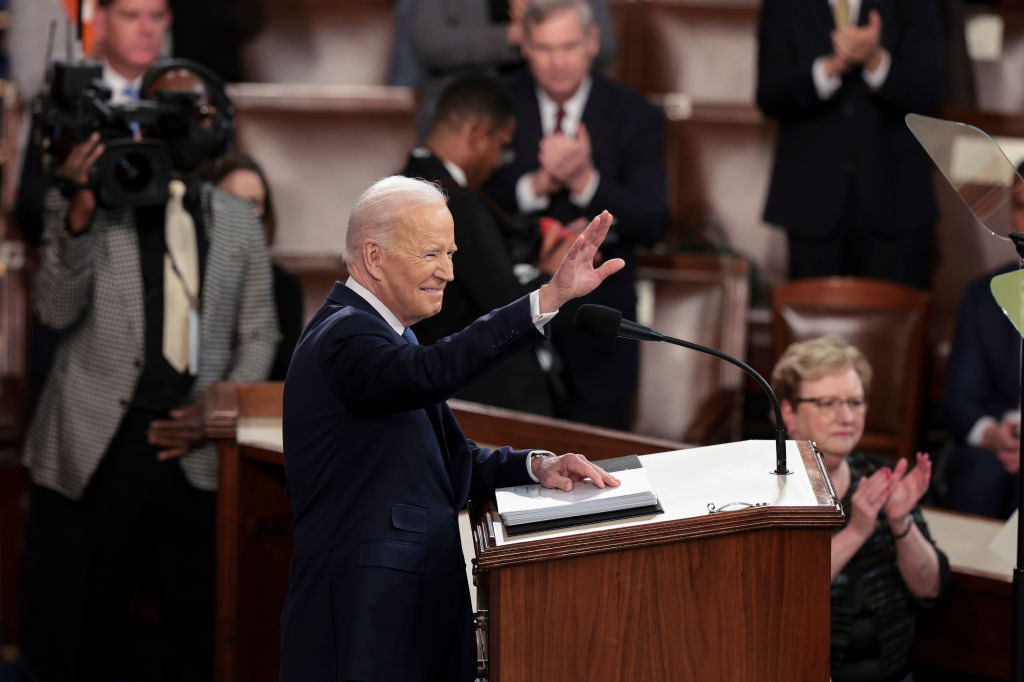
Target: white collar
(118, 84)
(388, 316)
(458, 175)
(573, 108)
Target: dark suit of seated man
(474, 120)
(376, 465)
(982, 405)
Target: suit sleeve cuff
(539, 319)
(584, 198)
(824, 84)
(876, 79)
(528, 201)
(977, 432)
(529, 461)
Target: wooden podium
(738, 595)
(687, 595)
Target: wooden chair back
(888, 323)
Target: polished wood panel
(969, 631)
(742, 595)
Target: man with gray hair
(376, 464)
(584, 145)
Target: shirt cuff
(584, 198)
(977, 432)
(528, 201)
(825, 85)
(539, 320)
(876, 79)
(529, 460)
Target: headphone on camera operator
(183, 117)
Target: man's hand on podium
(560, 472)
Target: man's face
(487, 148)
(836, 430)
(560, 53)
(415, 270)
(132, 32)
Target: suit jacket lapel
(123, 241)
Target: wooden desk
(970, 629)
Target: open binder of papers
(532, 508)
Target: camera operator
(130, 38)
(154, 303)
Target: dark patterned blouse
(872, 609)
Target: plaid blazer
(90, 286)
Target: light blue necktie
(132, 93)
(410, 337)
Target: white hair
(382, 204)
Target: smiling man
(378, 468)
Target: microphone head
(598, 321)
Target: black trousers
(140, 528)
(857, 249)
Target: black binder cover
(611, 466)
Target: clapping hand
(871, 495)
(859, 44)
(908, 487)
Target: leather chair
(888, 323)
(685, 395)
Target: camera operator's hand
(76, 169)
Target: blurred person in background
(238, 174)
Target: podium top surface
(690, 483)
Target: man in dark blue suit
(851, 186)
(377, 467)
(982, 405)
(602, 152)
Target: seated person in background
(981, 405)
(883, 559)
(239, 174)
(583, 145)
(474, 121)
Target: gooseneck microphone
(606, 323)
